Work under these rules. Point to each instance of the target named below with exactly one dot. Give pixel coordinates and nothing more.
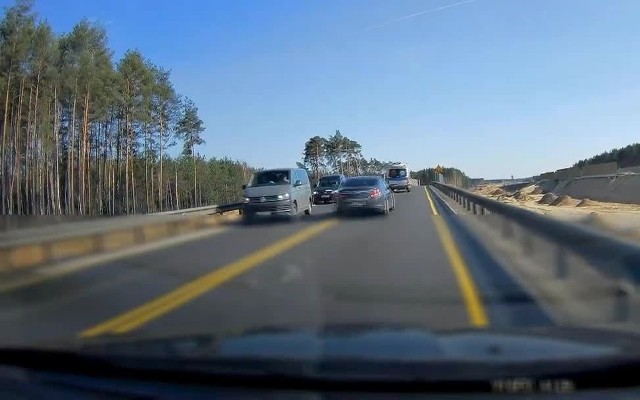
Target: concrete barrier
(568, 173)
(613, 188)
(629, 170)
(25, 253)
(548, 176)
(609, 168)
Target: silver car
(365, 193)
(284, 191)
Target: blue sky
(493, 87)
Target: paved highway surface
(417, 266)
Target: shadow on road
(320, 213)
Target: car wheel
(386, 209)
(408, 189)
(248, 218)
(293, 216)
(308, 210)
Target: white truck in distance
(397, 176)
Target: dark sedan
(325, 190)
(365, 193)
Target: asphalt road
(417, 266)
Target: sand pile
(536, 190)
(563, 201)
(531, 189)
(587, 203)
(548, 198)
(521, 196)
(497, 192)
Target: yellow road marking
(475, 308)
(433, 206)
(472, 300)
(189, 291)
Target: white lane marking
(53, 271)
(443, 200)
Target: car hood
(394, 343)
(331, 187)
(267, 190)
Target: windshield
(279, 169)
(329, 182)
(397, 173)
(266, 178)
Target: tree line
(82, 133)
(337, 154)
(451, 176)
(628, 156)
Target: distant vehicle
(398, 177)
(284, 191)
(365, 193)
(327, 187)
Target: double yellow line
(475, 307)
(187, 292)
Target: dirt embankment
(620, 219)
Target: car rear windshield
(397, 173)
(355, 182)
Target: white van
(398, 177)
(284, 191)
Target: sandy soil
(620, 219)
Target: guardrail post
(475, 210)
(507, 229)
(622, 309)
(481, 210)
(468, 205)
(527, 242)
(562, 268)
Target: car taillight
(375, 193)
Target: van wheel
(308, 210)
(248, 218)
(294, 212)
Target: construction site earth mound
(611, 203)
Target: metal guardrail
(205, 210)
(616, 258)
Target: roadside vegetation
(628, 156)
(82, 133)
(337, 154)
(451, 176)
